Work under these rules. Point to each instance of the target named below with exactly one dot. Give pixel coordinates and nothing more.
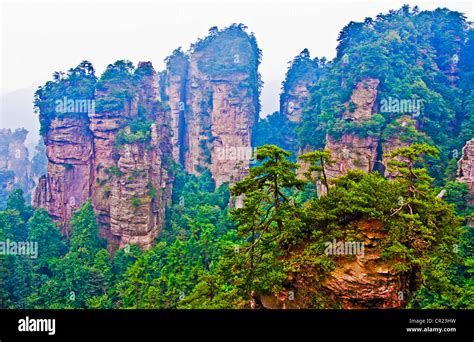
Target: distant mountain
(16, 110)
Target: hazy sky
(40, 37)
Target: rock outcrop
(221, 105)
(302, 75)
(351, 151)
(361, 281)
(68, 181)
(466, 167)
(362, 101)
(365, 281)
(138, 181)
(14, 158)
(117, 154)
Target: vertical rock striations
(350, 150)
(221, 104)
(117, 153)
(302, 75)
(174, 81)
(15, 166)
(466, 167)
(199, 113)
(64, 105)
(67, 183)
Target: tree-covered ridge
(302, 74)
(116, 87)
(419, 56)
(229, 49)
(302, 68)
(78, 84)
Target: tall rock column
(132, 155)
(466, 167)
(174, 81)
(67, 183)
(222, 104)
(352, 151)
(14, 157)
(118, 155)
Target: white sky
(40, 37)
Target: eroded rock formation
(199, 112)
(365, 281)
(351, 151)
(174, 81)
(360, 281)
(466, 167)
(118, 155)
(68, 181)
(300, 78)
(14, 158)
(221, 105)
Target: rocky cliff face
(175, 80)
(300, 78)
(352, 151)
(199, 112)
(361, 281)
(14, 158)
(67, 183)
(117, 154)
(466, 167)
(221, 105)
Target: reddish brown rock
(132, 185)
(360, 281)
(466, 167)
(14, 158)
(89, 156)
(352, 151)
(365, 281)
(67, 183)
(221, 106)
(362, 100)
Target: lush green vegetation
(78, 84)
(414, 55)
(212, 257)
(231, 50)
